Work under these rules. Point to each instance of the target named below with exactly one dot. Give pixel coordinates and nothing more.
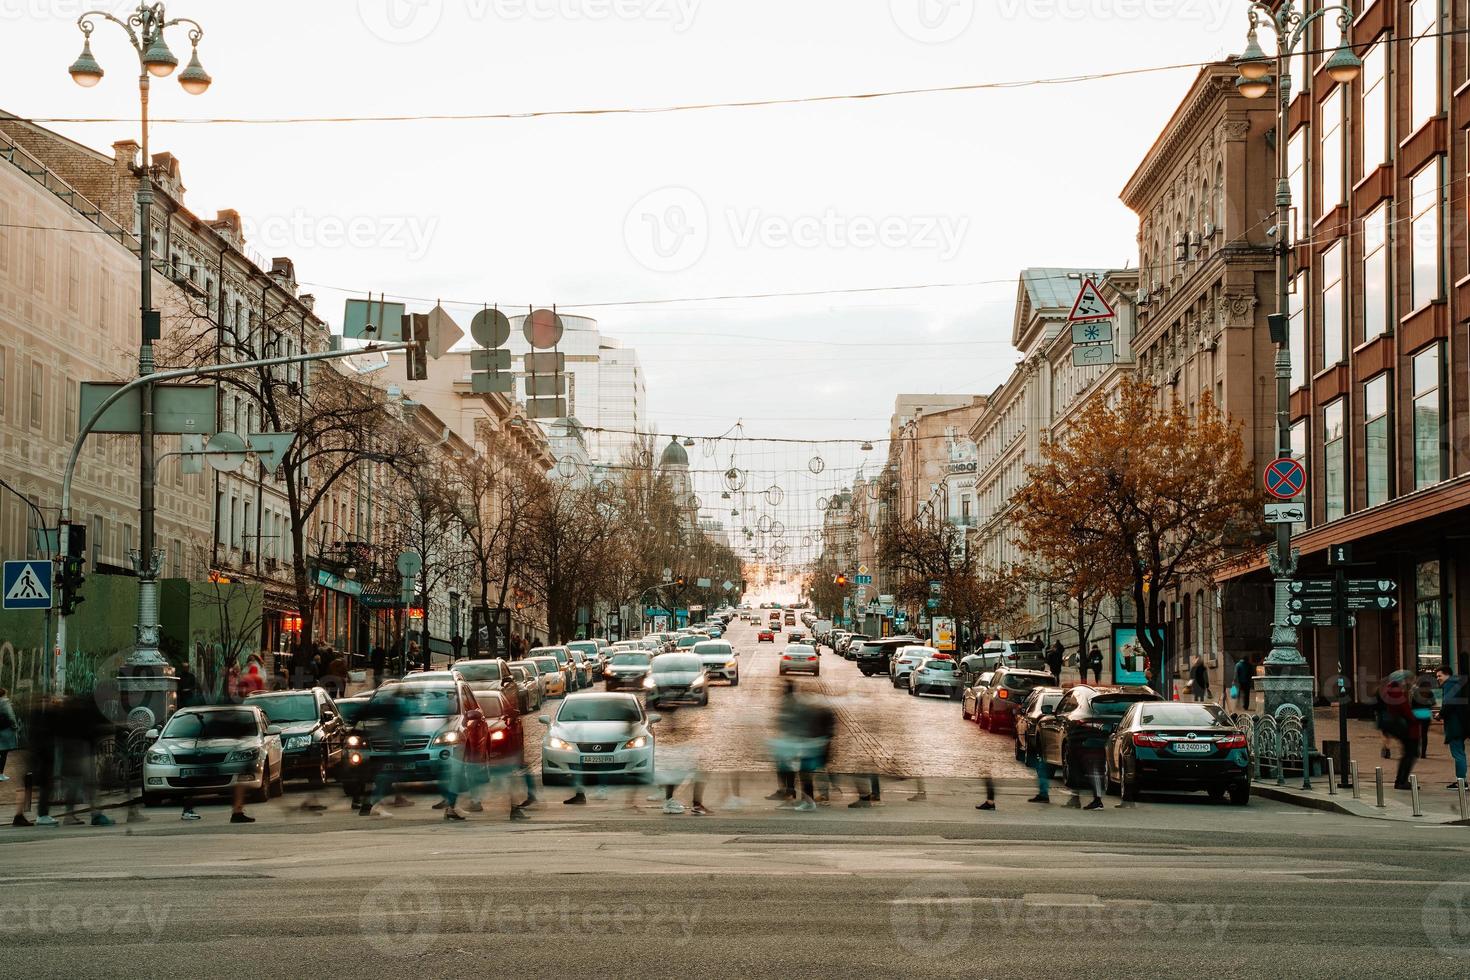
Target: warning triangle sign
(1090, 304)
(27, 586)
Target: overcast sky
(937, 188)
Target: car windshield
(1115, 705)
(714, 649)
(478, 672)
(212, 724)
(584, 646)
(672, 662)
(281, 708)
(799, 648)
(437, 701)
(545, 665)
(599, 709)
(1025, 682)
(946, 665)
(631, 660)
(1169, 715)
(1026, 646)
(685, 642)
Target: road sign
(1377, 586)
(225, 451)
(1286, 513)
(546, 363)
(1090, 304)
(1325, 620)
(933, 602)
(492, 382)
(27, 584)
(490, 328)
(444, 333)
(386, 320)
(490, 360)
(542, 329)
(1339, 554)
(271, 448)
(546, 408)
(1093, 332)
(702, 583)
(1285, 478)
(548, 385)
(862, 569)
(864, 579)
(1091, 355)
(177, 409)
(409, 564)
(727, 585)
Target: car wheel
(1129, 788)
(735, 681)
(1069, 771)
(278, 788)
(319, 778)
(780, 672)
(982, 719)
(817, 672)
(1020, 752)
(704, 701)
(152, 799)
(263, 794)
(1240, 793)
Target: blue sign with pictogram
(1285, 479)
(27, 585)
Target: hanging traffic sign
(1285, 478)
(490, 328)
(1286, 513)
(27, 585)
(1092, 332)
(271, 448)
(1091, 355)
(1090, 304)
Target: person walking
(1454, 712)
(1397, 721)
(1054, 658)
(1094, 663)
(9, 731)
(1245, 679)
(1199, 679)
(1423, 702)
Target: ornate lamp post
(1286, 681)
(145, 28)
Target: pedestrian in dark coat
(1054, 659)
(1094, 663)
(1423, 700)
(1454, 712)
(1199, 680)
(1397, 721)
(1245, 679)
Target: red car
(765, 636)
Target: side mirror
(153, 733)
(329, 716)
(474, 714)
(1048, 709)
(543, 719)
(273, 729)
(655, 719)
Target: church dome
(674, 455)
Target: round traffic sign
(543, 329)
(1285, 479)
(490, 328)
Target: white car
(721, 661)
(799, 657)
(906, 661)
(936, 675)
(598, 738)
(209, 751)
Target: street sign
(1285, 478)
(702, 583)
(225, 451)
(1378, 586)
(546, 363)
(1286, 513)
(542, 329)
(490, 328)
(549, 385)
(27, 584)
(409, 564)
(1094, 332)
(386, 320)
(492, 383)
(546, 408)
(862, 569)
(864, 580)
(933, 602)
(271, 447)
(490, 360)
(1339, 554)
(935, 587)
(1091, 355)
(1090, 304)
(727, 585)
(444, 333)
(177, 409)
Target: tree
(489, 498)
(571, 530)
(1139, 484)
(423, 508)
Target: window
(1334, 460)
(4, 356)
(127, 543)
(1299, 453)
(1375, 108)
(1428, 616)
(1332, 152)
(1429, 447)
(1423, 62)
(1297, 340)
(1425, 235)
(176, 558)
(1376, 441)
(1296, 173)
(1334, 316)
(96, 542)
(72, 407)
(1376, 311)
(38, 391)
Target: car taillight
(1149, 741)
(1236, 741)
(497, 736)
(1003, 694)
(1094, 726)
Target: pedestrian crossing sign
(27, 585)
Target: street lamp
(146, 28)
(1289, 22)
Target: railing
(37, 171)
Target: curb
(1365, 811)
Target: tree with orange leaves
(1140, 490)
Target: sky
(602, 214)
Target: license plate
(1193, 747)
(588, 760)
(186, 773)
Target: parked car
(313, 735)
(676, 677)
(935, 675)
(721, 661)
(765, 636)
(597, 737)
(969, 700)
(529, 692)
(1040, 702)
(411, 730)
(903, 662)
(563, 662)
(996, 703)
(800, 658)
(1015, 653)
(848, 646)
(874, 655)
(1077, 733)
(1182, 746)
(627, 670)
(207, 751)
(553, 678)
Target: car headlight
(354, 741)
(637, 743)
(446, 738)
(243, 755)
(296, 742)
(732, 665)
(648, 682)
(159, 758)
(560, 744)
(698, 682)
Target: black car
(627, 670)
(1076, 735)
(313, 734)
(873, 656)
(1179, 745)
(1041, 702)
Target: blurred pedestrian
(1245, 680)
(1094, 663)
(793, 750)
(1398, 724)
(1199, 679)
(989, 802)
(188, 687)
(1454, 713)
(80, 725)
(1037, 761)
(1423, 701)
(1054, 658)
(9, 731)
(382, 719)
(378, 657)
(252, 681)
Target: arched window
(1220, 196)
(1186, 638)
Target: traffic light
(71, 569)
(681, 581)
(841, 580)
(418, 355)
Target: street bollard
(1460, 788)
(1306, 767)
(1331, 777)
(1357, 792)
(1378, 779)
(1280, 769)
(1414, 794)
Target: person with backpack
(1398, 721)
(1454, 712)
